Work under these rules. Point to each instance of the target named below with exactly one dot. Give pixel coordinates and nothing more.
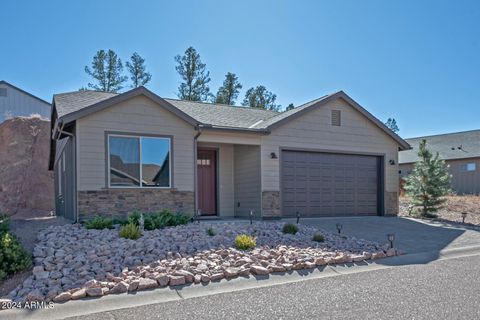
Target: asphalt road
(444, 289)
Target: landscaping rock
(162, 279)
(146, 283)
(63, 297)
(120, 287)
(176, 280)
(94, 292)
(79, 294)
(258, 270)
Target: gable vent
(336, 118)
(3, 92)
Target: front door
(207, 181)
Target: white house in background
(17, 102)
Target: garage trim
(380, 167)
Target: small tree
(138, 71)
(228, 92)
(194, 75)
(290, 107)
(392, 125)
(107, 70)
(428, 183)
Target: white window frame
(139, 137)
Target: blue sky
(416, 61)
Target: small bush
(318, 237)
(130, 231)
(13, 257)
(290, 228)
(211, 232)
(99, 223)
(159, 220)
(245, 242)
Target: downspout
(199, 129)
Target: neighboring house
(460, 150)
(114, 153)
(17, 102)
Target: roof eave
(235, 129)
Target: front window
(139, 161)
(470, 166)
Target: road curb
(141, 298)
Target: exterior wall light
(464, 215)
(273, 155)
(339, 227)
(391, 238)
(392, 162)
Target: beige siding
(247, 180)
(229, 137)
(138, 115)
(225, 177)
(314, 131)
(463, 182)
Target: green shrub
(318, 237)
(119, 221)
(290, 228)
(245, 242)
(130, 231)
(159, 220)
(99, 223)
(211, 232)
(13, 258)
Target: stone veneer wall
(271, 204)
(120, 202)
(391, 203)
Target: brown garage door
(328, 184)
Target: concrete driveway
(412, 235)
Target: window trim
(139, 136)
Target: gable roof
(25, 92)
(450, 146)
(74, 105)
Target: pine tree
(290, 107)
(392, 125)
(138, 71)
(259, 97)
(228, 92)
(428, 183)
(107, 70)
(195, 76)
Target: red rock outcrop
(25, 181)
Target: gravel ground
(72, 262)
(25, 225)
(454, 207)
(432, 291)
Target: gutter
(199, 128)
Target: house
(17, 102)
(460, 150)
(114, 153)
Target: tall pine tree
(392, 125)
(138, 71)
(429, 182)
(228, 92)
(107, 70)
(194, 75)
(259, 97)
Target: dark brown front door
(207, 181)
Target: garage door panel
(326, 184)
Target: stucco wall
(313, 131)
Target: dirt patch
(454, 207)
(25, 181)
